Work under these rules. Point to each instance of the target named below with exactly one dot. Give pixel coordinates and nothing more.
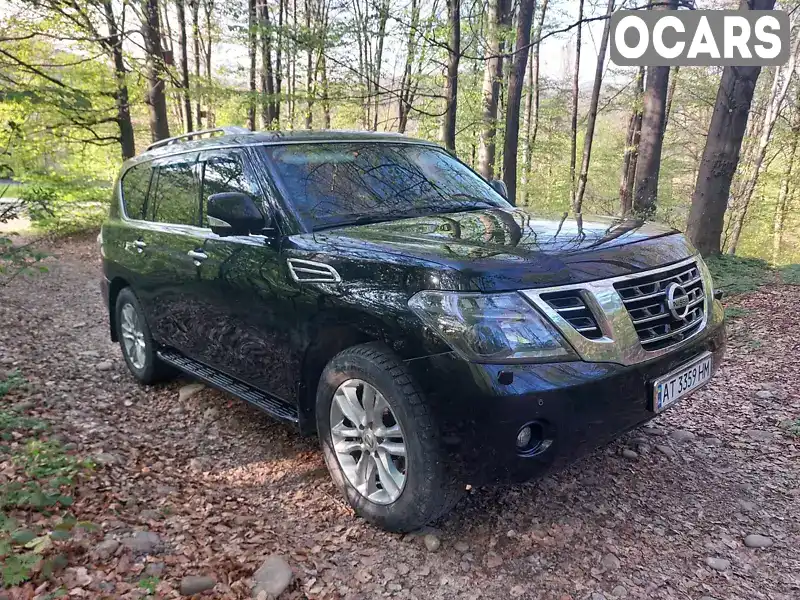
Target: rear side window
(224, 174)
(134, 190)
(176, 198)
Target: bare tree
(267, 72)
(408, 84)
(786, 190)
(194, 6)
(721, 153)
(591, 118)
(451, 82)
(252, 29)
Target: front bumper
(579, 406)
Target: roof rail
(192, 134)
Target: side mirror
(499, 186)
(234, 213)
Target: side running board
(269, 405)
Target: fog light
(524, 437)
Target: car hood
(496, 249)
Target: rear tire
(135, 340)
(401, 440)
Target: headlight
(491, 328)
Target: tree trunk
(210, 118)
(126, 140)
(492, 76)
(784, 194)
(721, 153)
(278, 66)
(773, 111)
(673, 82)
(406, 83)
(631, 155)
(592, 116)
(195, 7)
(267, 75)
(515, 84)
(532, 106)
(252, 27)
(654, 108)
(309, 116)
(383, 16)
(187, 101)
(573, 147)
(156, 99)
(451, 83)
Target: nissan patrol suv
(374, 290)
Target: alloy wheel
(133, 336)
(368, 441)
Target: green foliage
(149, 584)
(62, 205)
(38, 490)
(14, 379)
(792, 427)
(737, 275)
(790, 274)
(736, 312)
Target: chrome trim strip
(658, 338)
(620, 341)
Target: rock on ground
(273, 577)
(195, 584)
(755, 540)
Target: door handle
(197, 256)
(140, 245)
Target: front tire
(380, 442)
(135, 340)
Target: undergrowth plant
(35, 522)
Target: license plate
(683, 380)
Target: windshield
(345, 183)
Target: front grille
(645, 298)
(573, 308)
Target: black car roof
(234, 137)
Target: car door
(247, 326)
(172, 250)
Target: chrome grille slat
(661, 329)
(572, 306)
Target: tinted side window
(224, 174)
(177, 194)
(134, 190)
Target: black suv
(375, 290)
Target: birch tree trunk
(777, 96)
(573, 128)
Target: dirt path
(223, 486)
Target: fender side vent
(309, 271)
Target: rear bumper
(579, 406)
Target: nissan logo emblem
(677, 301)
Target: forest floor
(219, 486)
